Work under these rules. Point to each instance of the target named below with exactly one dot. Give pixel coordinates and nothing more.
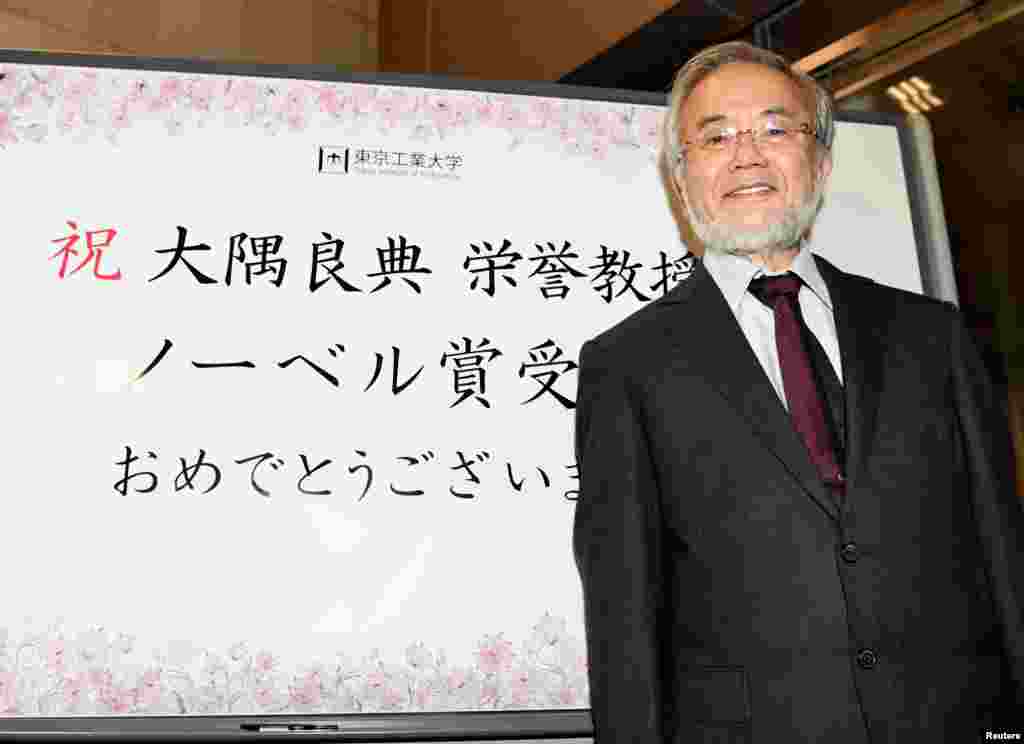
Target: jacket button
(849, 552)
(867, 659)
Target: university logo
(331, 159)
(336, 159)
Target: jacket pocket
(709, 704)
(712, 694)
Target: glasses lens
(768, 132)
(717, 138)
(774, 131)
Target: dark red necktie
(805, 399)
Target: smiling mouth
(755, 190)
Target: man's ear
(672, 178)
(673, 173)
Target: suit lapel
(732, 369)
(860, 347)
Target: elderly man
(797, 519)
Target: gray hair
(711, 59)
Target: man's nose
(745, 151)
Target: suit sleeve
(617, 538)
(997, 507)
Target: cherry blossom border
(96, 672)
(38, 103)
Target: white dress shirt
(733, 274)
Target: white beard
(793, 225)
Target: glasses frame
(804, 128)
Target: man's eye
(717, 139)
(776, 131)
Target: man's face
(750, 198)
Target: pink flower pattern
(649, 125)
(202, 93)
(495, 655)
(540, 114)
(265, 695)
(7, 135)
(487, 112)
(329, 101)
(77, 100)
(265, 662)
(307, 691)
(424, 696)
(171, 89)
(73, 689)
(441, 111)
(511, 116)
(242, 96)
(456, 679)
(84, 99)
(149, 690)
(392, 108)
(69, 674)
(55, 655)
(8, 694)
(117, 699)
(8, 80)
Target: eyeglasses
(767, 134)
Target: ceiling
(635, 45)
(646, 58)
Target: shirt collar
(733, 274)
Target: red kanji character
(93, 246)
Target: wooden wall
(505, 40)
(331, 32)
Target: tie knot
(768, 289)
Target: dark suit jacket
(728, 599)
